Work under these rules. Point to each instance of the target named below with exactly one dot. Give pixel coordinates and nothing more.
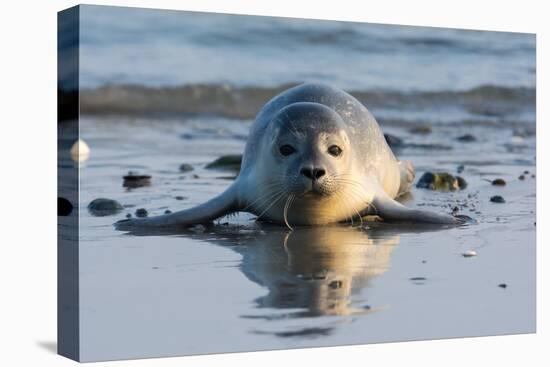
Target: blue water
(170, 48)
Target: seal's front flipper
(225, 203)
(391, 210)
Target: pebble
(460, 169)
(167, 211)
(422, 129)
(521, 177)
(462, 184)
(498, 182)
(64, 207)
(502, 285)
(80, 151)
(470, 253)
(497, 199)
(229, 162)
(128, 215)
(468, 138)
(184, 167)
(102, 207)
(133, 180)
(441, 181)
(179, 197)
(141, 213)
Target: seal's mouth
(314, 192)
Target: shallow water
(246, 286)
(160, 89)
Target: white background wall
(28, 181)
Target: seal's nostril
(318, 172)
(313, 173)
(308, 172)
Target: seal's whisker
(340, 195)
(275, 185)
(358, 196)
(268, 198)
(358, 214)
(289, 201)
(273, 203)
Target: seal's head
(308, 167)
(311, 149)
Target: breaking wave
(244, 102)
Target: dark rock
(462, 184)
(64, 207)
(421, 129)
(426, 181)
(467, 138)
(417, 278)
(429, 146)
(102, 207)
(521, 177)
(179, 197)
(167, 211)
(228, 162)
(128, 215)
(133, 180)
(141, 213)
(441, 181)
(460, 169)
(393, 141)
(502, 285)
(184, 167)
(497, 199)
(498, 182)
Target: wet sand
(242, 286)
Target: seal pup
(315, 155)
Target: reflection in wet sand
(315, 271)
(308, 272)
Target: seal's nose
(313, 173)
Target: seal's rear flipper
(225, 203)
(406, 171)
(391, 210)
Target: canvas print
(233, 183)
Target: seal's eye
(334, 150)
(286, 150)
